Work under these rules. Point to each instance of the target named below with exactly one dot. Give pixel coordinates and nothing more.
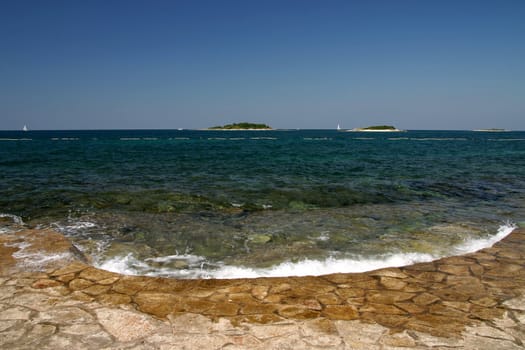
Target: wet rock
(259, 238)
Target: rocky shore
(51, 298)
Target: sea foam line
(198, 268)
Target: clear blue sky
(416, 64)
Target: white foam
(36, 261)
(16, 219)
(474, 245)
(198, 267)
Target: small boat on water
(25, 128)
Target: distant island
(378, 128)
(242, 126)
(490, 130)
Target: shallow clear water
(198, 203)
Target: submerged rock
(260, 238)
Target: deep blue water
(258, 198)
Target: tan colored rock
(282, 287)
(340, 312)
(96, 290)
(485, 302)
(399, 340)
(45, 283)
(411, 308)
(94, 274)
(390, 272)
(158, 304)
(346, 293)
(114, 299)
(382, 309)
(388, 296)
(463, 306)
(425, 299)
(461, 270)
(78, 295)
(297, 312)
(79, 284)
(329, 299)
(66, 316)
(260, 292)
(127, 325)
(15, 313)
(222, 309)
(392, 283)
(360, 335)
(66, 278)
(73, 267)
(258, 309)
(242, 298)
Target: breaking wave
(192, 266)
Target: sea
(231, 204)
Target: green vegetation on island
(242, 126)
(378, 128)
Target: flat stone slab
(476, 301)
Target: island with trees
(242, 126)
(378, 128)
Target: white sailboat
(25, 128)
(338, 127)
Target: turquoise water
(188, 203)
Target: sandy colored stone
(45, 283)
(485, 302)
(79, 284)
(408, 307)
(94, 274)
(462, 270)
(258, 309)
(392, 283)
(222, 309)
(357, 334)
(388, 296)
(114, 299)
(329, 299)
(411, 308)
(243, 298)
(15, 313)
(80, 296)
(346, 293)
(108, 281)
(382, 309)
(66, 278)
(66, 316)
(463, 306)
(130, 285)
(158, 304)
(425, 299)
(260, 292)
(402, 340)
(297, 312)
(273, 330)
(311, 303)
(96, 290)
(127, 325)
(73, 267)
(340, 312)
(390, 272)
